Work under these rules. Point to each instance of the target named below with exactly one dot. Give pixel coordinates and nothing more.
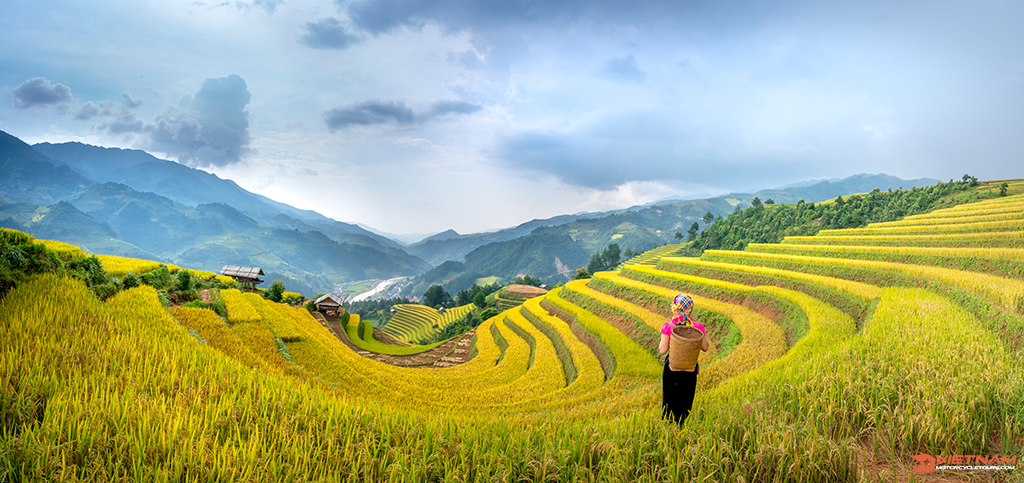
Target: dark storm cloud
(327, 34)
(209, 128)
(624, 69)
(383, 112)
(38, 91)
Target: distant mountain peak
(444, 235)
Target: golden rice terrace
(835, 357)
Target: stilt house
(328, 304)
(247, 276)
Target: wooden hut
(328, 304)
(247, 276)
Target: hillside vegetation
(767, 222)
(833, 358)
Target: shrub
(129, 281)
(276, 292)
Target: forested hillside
(769, 222)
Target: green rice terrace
(411, 323)
(834, 357)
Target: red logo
(925, 462)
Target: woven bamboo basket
(684, 347)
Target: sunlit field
(833, 358)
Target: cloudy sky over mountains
(418, 116)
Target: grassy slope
(97, 391)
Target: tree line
(766, 222)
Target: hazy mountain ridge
(828, 189)
(31, 177)
(450, 245)
(204, 233)
(191, 187)
(638, 228)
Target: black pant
(677, 388)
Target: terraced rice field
(412, 323)
(829, 362)
(513, 296)
(651, 257)
(119, 266)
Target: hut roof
(241, 272)
(328, 299)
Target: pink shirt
(667, 328)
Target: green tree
(183, 281)
(612, 255)
(606, 260)
(437, 297)
(1002, 189)
(691, 234)
(158, 279)
(527, 280)
(480, 300)
(679, 235)
(129, 281)
(758, 225)
(708, 218)
(581, 273)
(276, 291)
(769, 201)
(488, 313)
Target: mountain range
(130, 203)
(568, 241)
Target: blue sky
(414, 117)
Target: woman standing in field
(677, 387)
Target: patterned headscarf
(682, 305)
